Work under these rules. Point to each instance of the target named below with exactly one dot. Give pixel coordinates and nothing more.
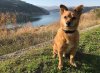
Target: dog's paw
(60, 67)
(73, 64)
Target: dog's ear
(79, 9)
(63, 8)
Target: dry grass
(22, 38)
(87, 20)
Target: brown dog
(67, 36)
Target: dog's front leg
(54, 51)
(72, 55)
(60, 65)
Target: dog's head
(70, 19)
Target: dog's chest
(69, 46)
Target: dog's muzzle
(69, 24)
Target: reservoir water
(47, 19)
(43, 20)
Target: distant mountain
(49, 8)
(86, 9)
(56, 9)
(21, 7)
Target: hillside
(39, 60)
(20, 11)
(20, 7)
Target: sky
(66, 2)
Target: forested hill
(19, 11)
(20, 7)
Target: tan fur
(67, 41)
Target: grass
(22, 39)
(39, 60)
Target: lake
(42, 20)
(47, 19)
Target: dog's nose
(68, 23)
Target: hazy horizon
(69, 3)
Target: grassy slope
(41, 61)
(13, 42)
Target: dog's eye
(73, 18)
(65, 17)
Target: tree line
(7, 18)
